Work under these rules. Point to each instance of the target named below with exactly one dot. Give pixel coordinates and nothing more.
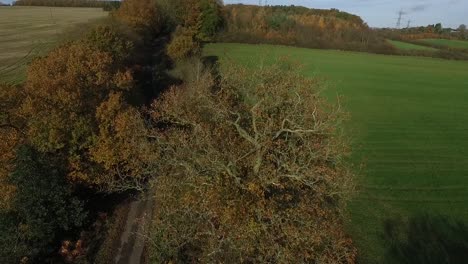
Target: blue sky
(384, 13)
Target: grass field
(26, 32)
(410, 129)
(460, 44)
(408, 46)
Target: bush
(254, 171)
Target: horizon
(382, 13)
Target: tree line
(300, 26)
(245, 165)
(436, 31)
(414, 35)
(71, 125)
(107, 5)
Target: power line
(400, 16)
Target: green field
(459, 44)
(410, 128)
(26, 32)
(408, 46)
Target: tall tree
(438, 28)
(109, 39)
(211, 18)
(43, 205)
(140, 14)
(63, 111)
(254, 171)
(462, 31)
(11, 136)
(122, 146)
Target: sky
(384, 13)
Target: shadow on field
(426, 239)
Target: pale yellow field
(27, 32)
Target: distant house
(3, 4)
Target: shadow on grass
(426, 239)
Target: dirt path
(132, 242)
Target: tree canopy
(255, 171)
(140, 14)
(43, 206)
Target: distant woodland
(108, 5)
(300, 26)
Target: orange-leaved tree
(140, 14)
(122, 145)
(183, 44)
(63, 94)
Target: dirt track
(132, 241)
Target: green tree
(438, 28)
(211, 18)
(43, 205)
(12, 247)
(462, 31)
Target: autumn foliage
(183, 44)
(246, 166)
(254, 171)
(140, 14)
(64, 112)
(195, 21)
(11, 124)
(72, 129)
(106, 5)
(300, 26)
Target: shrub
(254, 171)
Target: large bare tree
(253, 169)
